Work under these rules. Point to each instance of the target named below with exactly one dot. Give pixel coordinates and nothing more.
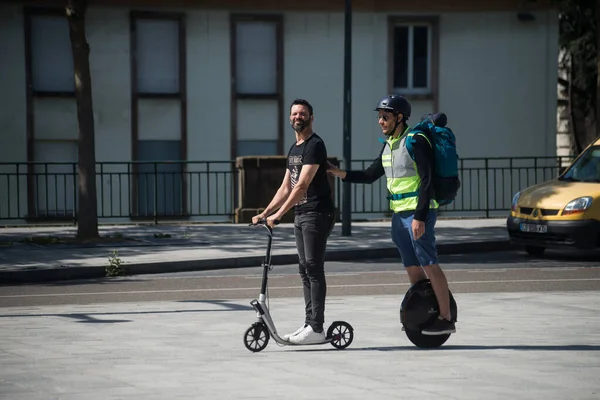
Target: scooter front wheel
(256, 337)
(341, 334)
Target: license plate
(534, 228)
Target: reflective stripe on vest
(402, 178)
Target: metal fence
(161, 191)
(487, 185)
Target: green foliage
(115, 265)
(578, 38)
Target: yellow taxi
(561, 212)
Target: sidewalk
(27, 256)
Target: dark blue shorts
(421, 252)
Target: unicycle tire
(418, 310)
(426, 341)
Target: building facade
(207, 81)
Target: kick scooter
(418, 310)
(340, 333)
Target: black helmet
(396, 104)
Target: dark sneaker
(439, 327)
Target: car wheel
(535, 251)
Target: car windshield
(586, 168)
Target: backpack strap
(402, 196)
(420, 133)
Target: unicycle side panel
(419, 308)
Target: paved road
(170, 337)
(472, 273)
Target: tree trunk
(582, 112)
(87, 221)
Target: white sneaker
(297, 331)
(308, 336)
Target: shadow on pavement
(87, 319)
(524, 347)
(90, 317)
(567, 347)
(513, 256)
(93, 281)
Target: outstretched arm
(369, 175)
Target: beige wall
(497, 80)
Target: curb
(95, 272)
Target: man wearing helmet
(411, 199)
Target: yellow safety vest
(403, 181)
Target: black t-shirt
(318, 196)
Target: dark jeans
(312, 230)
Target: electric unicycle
(418, 310)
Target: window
(160, 186)
(55, 184)
(52, 68)
(586, 168)
(257, 112)
(51, 121)
(257, 97)
(256, 57)
(157, 52)
(159, 133)
(412, 58)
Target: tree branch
(563, 82)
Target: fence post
(559, 165)
(487, 190)
(130, 195)
(155, 193)
(18, 176)
(75, 191)
(101, 183)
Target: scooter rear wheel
(256, 337)
(341, 334)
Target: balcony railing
(206, 190)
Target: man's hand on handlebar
(273, 220)
(258, 218)
(269, 221)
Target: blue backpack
(446, 182)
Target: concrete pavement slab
(174, 248)
(508, 345)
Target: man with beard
(410, 184)
(305, 187)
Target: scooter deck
(288, 343)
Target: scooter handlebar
(262, 222)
